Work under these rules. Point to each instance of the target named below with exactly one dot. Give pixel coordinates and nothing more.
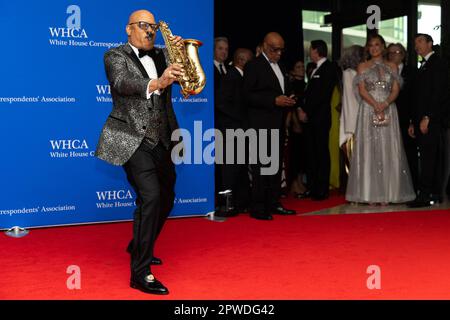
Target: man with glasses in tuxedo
(397, 54)
(267, 94)
(137, 136)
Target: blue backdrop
(54, 99)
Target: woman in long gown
(379, 170)
(350, 60)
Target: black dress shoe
(283, 211)
(419, 203)
(261, 216)
(148, 284)
(303, 195)
(435, 198)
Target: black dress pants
(431, 158)
(151, 173)
(234, 176)
(266, 189)
(318, 157)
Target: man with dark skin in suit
(273, 46)
(267, 94)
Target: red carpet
(295, 257)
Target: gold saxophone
(194, 78)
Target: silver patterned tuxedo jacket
(133, 116)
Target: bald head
(140, 34)
(273, 37)
(241, 57)
(273, 46)
(140, 15)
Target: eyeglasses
(146, 26)
(275, 49)
(395, 52)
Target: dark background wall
(245, 23)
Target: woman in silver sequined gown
(379, 170)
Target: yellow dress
(333, 144)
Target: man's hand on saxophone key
(177, 40)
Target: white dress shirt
(319, 63)
(277, 70)
(240, 71)
(427, 57)
(217, 64)
(150, 68)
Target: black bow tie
(150, 53)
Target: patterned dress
(379, 171)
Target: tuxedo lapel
(129, 51)
(316, 75)
(274, 77)
(320, 69)
(428, 64)
(286, 79)
(160, 61)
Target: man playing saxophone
(137, 136)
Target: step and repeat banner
(55, 98)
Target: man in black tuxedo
(220, 70)
(232, 114)
(266, 94)
(429, 98)
(137, 136)
(220, 58)
(316, 114)
(397, 54)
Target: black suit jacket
(230, 105)
(261, 87)
(218, 77)
(430, 92)
(319, 90)
(132, 112)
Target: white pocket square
(316, 76)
